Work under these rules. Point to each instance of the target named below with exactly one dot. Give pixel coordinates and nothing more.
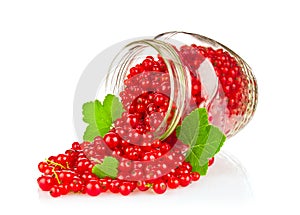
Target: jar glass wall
(190, 71)
(235, 99)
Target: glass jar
(189, 71)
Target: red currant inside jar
(161, 80)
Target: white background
(45, 46)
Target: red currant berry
(55, 191)
(165, 148)
(76, 185)
(125, 188)
(42, 166)
(211, 161)
(76, 146)
(45, 182)
(104, 184)
(159, 99)
(186, 166)
(185, 180)
(156, 144)
(133, 120)
(83, 165)
(159, 186)
(112, 140)
(48, 170)
(173, 183)
(62, 159)
(114, 186)
(195, 176)
(52, 159)
(93, 188)
(142, 186)
(64, 189)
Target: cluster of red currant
(72, 172)
(233, 82)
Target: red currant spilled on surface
(76, 176)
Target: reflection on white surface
(226, 181)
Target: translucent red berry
(93, 188)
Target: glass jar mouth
(179, 77)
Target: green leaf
(205, 140)
(90, 111)
(90, 133)
(100, 117)
(113, 106)
(109, 167)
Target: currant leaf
(109, 167)
(205, 140)
(100, 117)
